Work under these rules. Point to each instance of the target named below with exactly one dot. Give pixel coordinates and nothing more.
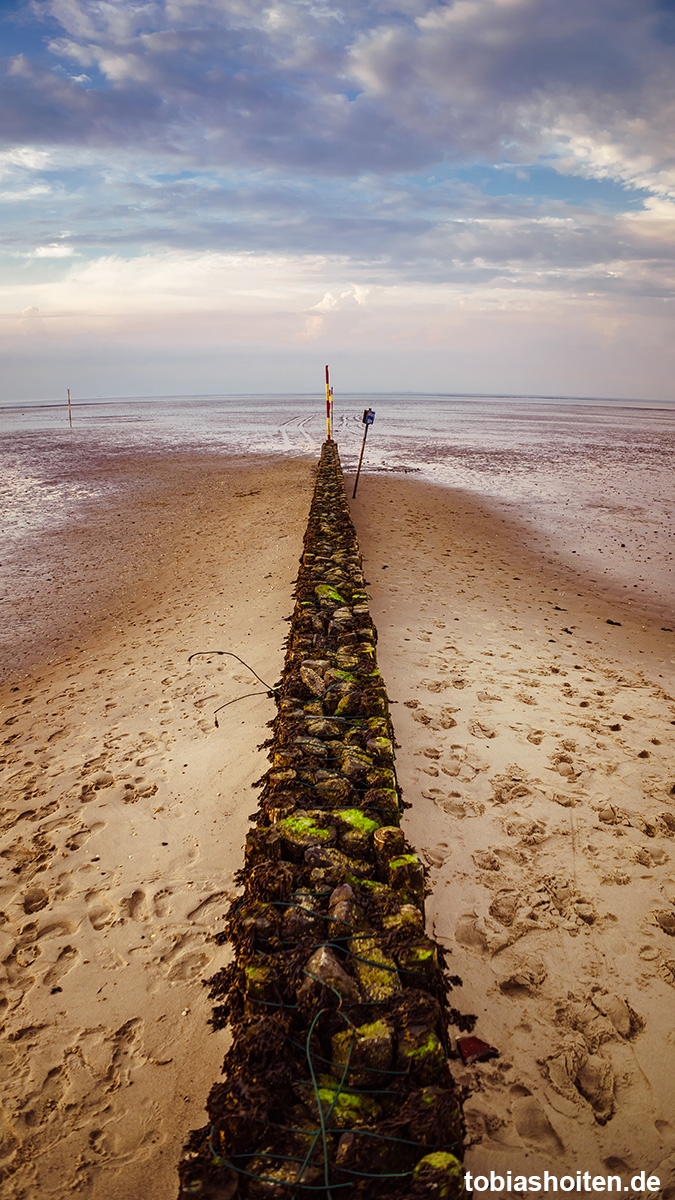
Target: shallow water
(589, 478)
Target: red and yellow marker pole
(328, 391)
(70, 411)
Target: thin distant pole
(70, 411)
(327, 405)
(332, 421)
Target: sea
(593, 477)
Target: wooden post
(70, 411)
(328, 429)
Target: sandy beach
(536, 720)
(534, 711)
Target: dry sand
(124, 815)
(534, 750)
(536, 723)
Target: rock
(311, 746)
(323, 968)
(418, 962)
(260, 981)
(355, 831)
(262, 845)
(355, 763)
(369, 1051)
(323, 727)
(348, 1110)
(382, 746)
(388, 842)
(440, 1175)
(333, 790)
(312, 681)
(376, 971)
(302, 917)
(305, 828)
(328, 856)
(270, 1180)
(385, 802)
(407, 917)
(260, 919)
(406, 877)
(420, 1049)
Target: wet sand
(548, 830)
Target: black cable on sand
(336, 1084)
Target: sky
(206, 196)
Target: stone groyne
(336, 1084)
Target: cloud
(54, 250)
(344, 89)
(317, 166)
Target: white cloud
(54, 250)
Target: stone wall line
(336, 1084)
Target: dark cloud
(349, 88)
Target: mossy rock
(418, 962)
(305, 828)
(355, 831)
(349, 1109)
(329, 856)
(406, 876)
(407, 917)
(385, 802)
(440, 1175)
(375, 970)
(421, 1050)
(259, 981)
(382, 746)
(369, 1051)
(326, 593)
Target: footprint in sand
(512, 784)
(534, 1128)
(58, 928)
(95, 782)
(479, 729)
(44, 1103)
(99, 909)
(188, 967)
(35, 899)
(161, 902)
(137, 788)
(64, 963)
(204, 912)
(435, 856)
(136, 906)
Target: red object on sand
(473, 1049)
